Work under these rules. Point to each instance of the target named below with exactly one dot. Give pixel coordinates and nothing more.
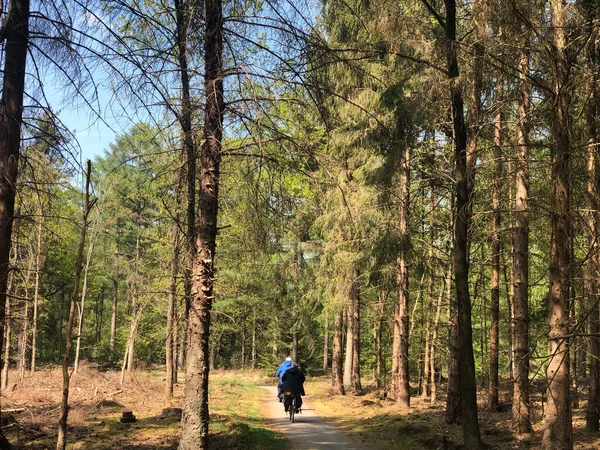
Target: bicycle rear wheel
(292, 408)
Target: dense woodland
(398, 191)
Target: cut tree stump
(127, 417)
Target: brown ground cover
(237, 421)
(379, 424)
(97, 400)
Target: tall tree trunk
(337, 356)
(190, 151)
(9, 320)
(496, 250)
(520, 324)
(99, 315)
(379, 365)
(559, 427)
(113, 316)
(135, 320)
(25, 320)
(355, 299)
(14, 35)
(7, 336)
(349, 349)
(464, 191)
(427, 378)
(172, 299)
(82, 308)
(176, 343)
(446, 283)
(295, 346)
(509, 309)
(130, 350)
(254, 327)
(36, 290)
(61, 442)
(61, 324)
(243, 356)
(182, 339)
(326, 343)
(453, 413)
(592, 265)
(400, 361)
(194, 423)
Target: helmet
(288, 359)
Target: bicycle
(292, 405)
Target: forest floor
(240, 418)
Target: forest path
(309, 431)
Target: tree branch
(435, 14)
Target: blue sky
(92, 134)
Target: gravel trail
(309, 431)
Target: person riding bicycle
(292, 382)
(285, 365)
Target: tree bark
(135, 320)
(82, 309)
(243, 344)
(171, 300)
(113, 316)
(434, 335)
(130, 350)
(520, 323)
(14, 34)
(427, 366)
(194, 423)
(24, 341)
(453, 413)
(36, 289)
(496, 250)
(379, 364)
(254, 327)
(326, 343)
(9, 321)
(295, 346)
(99, 315)
(61, 442)
(592, 265)
(355, 299)
(337, 356)
(191, 154)
(400, 360)
(558, 417)
(348, 354)
(464, 192)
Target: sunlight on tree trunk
(61, 442)
(194, 422)
(558, 415)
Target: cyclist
(292, 381)
(285, 365)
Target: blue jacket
(282, 368)
(293, 381)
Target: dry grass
(97, 400)
(378, 424)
